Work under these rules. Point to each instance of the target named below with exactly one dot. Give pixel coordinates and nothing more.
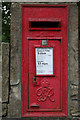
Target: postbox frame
(26, 112)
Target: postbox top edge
(44, 5)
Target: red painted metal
(44, 95)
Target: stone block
(45, 1)
(74, 91)
(0, 77)
(0, 109)
(4, 109)
(14, 107)
(0, 65)
(5, 72)
(15, 56)
(73, 45)
(74, 107)
(0, 91)
(73, 75)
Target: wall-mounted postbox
(44, 60)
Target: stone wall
(79, 58)
(12, 81)
(73, 78)
(5, 78)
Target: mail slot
(44, 60)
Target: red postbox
(44, 60)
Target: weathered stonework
(14, 102)
(15, 44)
(73, 60)
(0, 85)
(14, 105)
(5, 78)
(5, 72)
(15, 63)
(4, 109)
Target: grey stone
(0, 109)
(15, 69)
(0, 65)
(0, 118)
(5, 71)
(76, 114)
(74, 91)
(14, 108)
(74, 107)
(0, 77)
(46, 1)
(73, 76)
(0, 91)
(4, 109)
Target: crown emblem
(45, 83)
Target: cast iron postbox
(44, 60)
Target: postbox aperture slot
(45, 25)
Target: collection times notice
(44, 61)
